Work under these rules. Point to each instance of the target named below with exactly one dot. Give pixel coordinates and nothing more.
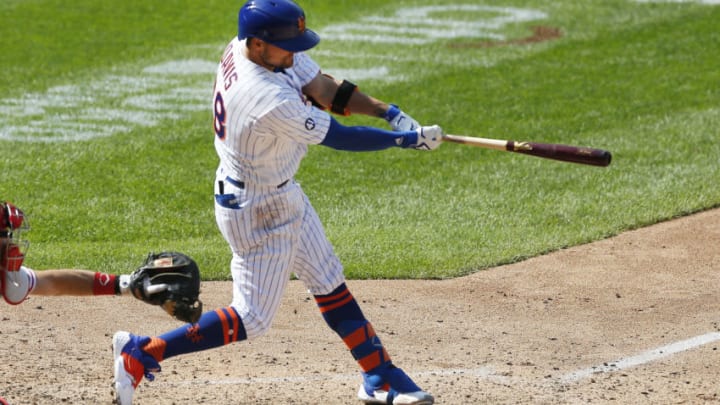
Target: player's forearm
(64, 282)
(362, 138)
(361, 103)
(76, 282)
(324, 90)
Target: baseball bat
(565, 153)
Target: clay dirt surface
(629, 319)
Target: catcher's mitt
(172, 281)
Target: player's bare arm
(174, 285)
(344, 98)
(66, 282)
(324, 88)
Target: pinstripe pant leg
(263, 237)
(316, 263)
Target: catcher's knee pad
(17, 285)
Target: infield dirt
(630, 319)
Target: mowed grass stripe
(642, 87)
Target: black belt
(241, 184)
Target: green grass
(640, 80)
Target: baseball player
(18, 281)
(170, 280)
(270, 103)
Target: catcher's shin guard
(17, 285)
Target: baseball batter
(270, 103)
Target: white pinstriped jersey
(263, 128)
(262, 122)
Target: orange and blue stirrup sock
(214, 329)
(343, 315)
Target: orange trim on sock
(156, 348)
(370, 330)
(235, 323)
(225, 325)
(370, 361)
(354, 339)
(327, 308)
(359, 336)
(329, 298)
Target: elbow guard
(342, 98)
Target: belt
(241, 184)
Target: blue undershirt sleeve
(364, 139)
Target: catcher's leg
(17, 285)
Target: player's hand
(399, 121)
(428, 138)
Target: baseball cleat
(130, 364)
(390, 385)
(385, 397)
(123, 380)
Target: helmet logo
(301, 24)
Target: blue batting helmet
(278, 22)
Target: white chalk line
(644, 357)
(482, 372)
(487, 373)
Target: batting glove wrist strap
(399, 120)
(391, 113)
